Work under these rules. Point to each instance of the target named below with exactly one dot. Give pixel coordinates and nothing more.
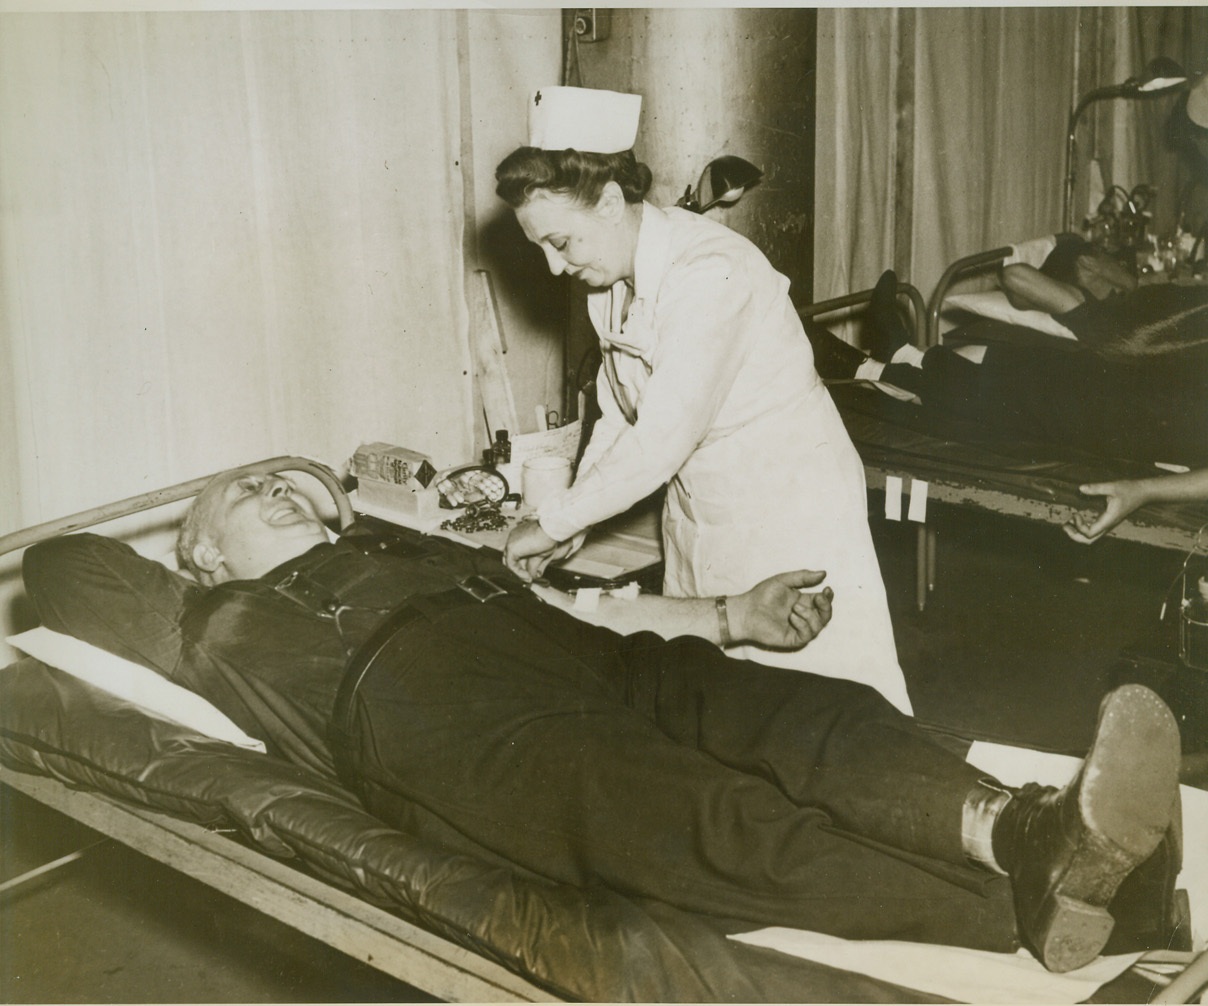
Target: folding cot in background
(138, 759)
(954, 461)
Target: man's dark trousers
(667, 770)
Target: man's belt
(471, 590)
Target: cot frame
(1141, 527)
(977, 262)
(326, 913)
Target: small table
(625, 548)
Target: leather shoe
(889, 331)
(1149, 913)
(1069, 851)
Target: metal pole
(1071, 146)
(54, 864)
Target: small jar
(501, 450)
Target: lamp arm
(1131, 88)
(1071, 144)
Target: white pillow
(994, 304)
(132, 682)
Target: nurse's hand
(529, 550)
(777, 614)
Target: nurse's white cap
(583, 118)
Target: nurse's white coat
(708, 385)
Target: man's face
(586, 242)
(254, 523)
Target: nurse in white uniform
(707, 386)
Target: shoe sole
(1127, 799)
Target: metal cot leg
(924, 564)
(921, 567)
(931, 561)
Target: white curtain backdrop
(855, 148)
(228, 235)
(214, 230)
(993, 91)
(970, 154)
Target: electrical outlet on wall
(591, 24)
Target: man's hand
(1121, 499)
(776, 614)
(529, 550)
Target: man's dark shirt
(270, 652)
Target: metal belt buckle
(481, 588)
(302, 590)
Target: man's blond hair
(197, 525)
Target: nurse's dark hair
(570, 172)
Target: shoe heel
(1071, 933)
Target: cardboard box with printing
(393, 465)
(395, 480)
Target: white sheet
(131, 682)
(993, 304)
(971, 976)
(981, 977)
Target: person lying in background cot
(461, 705)
(1134, 386)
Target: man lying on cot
(465, 707)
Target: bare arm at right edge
(1124, 496)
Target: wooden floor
(1019, 640)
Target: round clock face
(473, 484)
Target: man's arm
(1121, 498)
(1027, 288)
(101, 591)
(775, 613)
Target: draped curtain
(229, 235)
(855, 144)
(941, 131)
(214, 229)
(993, 91)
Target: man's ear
(206, 556)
